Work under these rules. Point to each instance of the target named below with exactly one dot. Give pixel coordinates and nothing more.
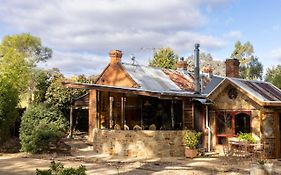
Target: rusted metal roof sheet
(261, 90)
(183, 80)
(150, 78)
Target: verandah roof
(137, 91)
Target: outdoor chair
(126, 127)
(117, 127)
(137, 127)
(152, 127)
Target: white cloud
(74, 27)
(76, 63)
(235, 35)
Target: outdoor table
(244, 149)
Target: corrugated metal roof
(213, 83)
(261, 90)
(167, 80)
(150, 78)
(183, 80)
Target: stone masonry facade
(142, 143)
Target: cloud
(276, 54)
(73, 28)
(236, 35)
(88, 64)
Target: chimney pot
(181, 64)
(115, 56)
(232, 68)
(209, 70)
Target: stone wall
(143, 143)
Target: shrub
(58, 169)
(191, 139)
(246, 137)
(41, 128)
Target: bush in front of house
(41, 128)
(191, 139)
(246, 137)
(57, 168)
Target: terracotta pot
(190, 153)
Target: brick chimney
(209, 70)
(232, 68)
(181, 64)
(115, 56)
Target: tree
(206, 59)
(30, 46)
(42, 82)
(252, 70)
(8, 112)
(250, 67)
(164, 58)
(18, 57)
(26, 50)
(59, 96)
(273, 75)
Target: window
(230, 124)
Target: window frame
(233, 114)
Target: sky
(82, 32)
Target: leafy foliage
(30, 46)
(273, 75)
(250, 67)
(246, 137)
(14, 69)
(41, 128)
(59, 96)
(18, 55)
(206, 59)
(191, 139)
(164, 58)
(8, 112)
(57, 168)
(242, 52)
(252, 70)
(42, 82)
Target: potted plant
(191, 141)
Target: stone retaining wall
(143, 143)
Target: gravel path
(81, 153)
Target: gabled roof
(264, 93)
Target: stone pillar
(92, 113)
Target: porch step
(209, 154)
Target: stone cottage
(143, 111)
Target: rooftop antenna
(133, 58)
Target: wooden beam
(92, 113)
(122, 111)
(71, 121)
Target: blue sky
(81, 32)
